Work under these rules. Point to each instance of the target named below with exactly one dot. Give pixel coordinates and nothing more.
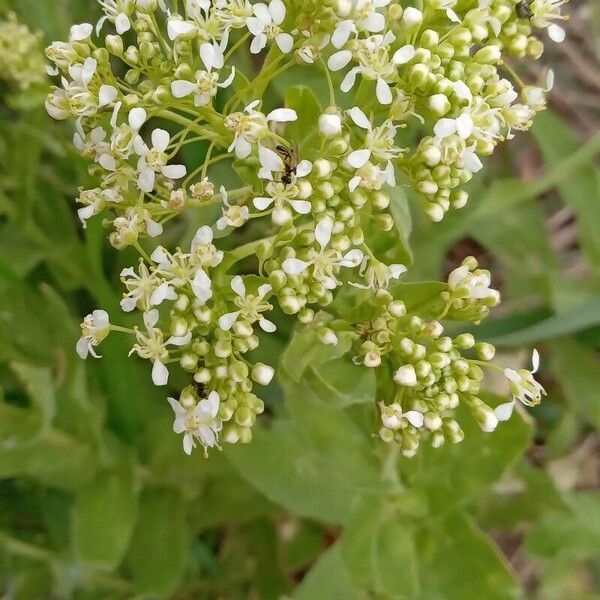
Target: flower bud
(330, 125)
(406, 376)
(262, 374)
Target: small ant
(290, 162)
(523, 9)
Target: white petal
(462, 91)
(285, 42)
(535, 360)
(146, 180)
(504, 411)
(160, 373)
(227, 320)
(267, 325)
(383, 92)
(81, 32)
(213, 401)
(262, 12)
(255, 25)
(277, 11)
(188, 443)
(302, 207)
(237, 285)
(207, 436)
(159, 256)
(243, 148)
(89, 68)
(342, 33)
(122, 23)
(452, 15)
(207, 54)
(304, 168)
(352, 258)
(414, 417)
(397, 270)
(201, 283)
(282, 115)
(512, 375)
(177, 27)
(203, 236)
(107, 162)
(174, 171)
(153, 228)
(269, 159)
(404, 54)
(556, 33)
(464, 125)
(160, 139)
(182, 340)
(354, 183)
(137, 117)
(359, 158)
(151, 318)
(265, 289)
(258, 43)
(323, 231)
(182, 88)
(107, 95)
(350, 79)
(177, 409)
(359, 117)
(262, 203)
(339, 60)
(83, 348)
(163, 292)
(445, 127)
(294, 266)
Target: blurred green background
(98, 501)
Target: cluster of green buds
(21, 60)
(435, 96)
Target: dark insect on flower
(523, 9)
(290, 162)
(200, 389)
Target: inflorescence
(441, 71)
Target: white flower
(524, 388)
(154, 160)
(207, 83)
(234, 215)
(94, 328)
(264, 25)
(463, 126)
(380, 142)
(144, 289)
(203, 251)
(374, 65)
(176, 27)
(378, 275)
(392, 414)
(250, 306)
(150, 345)
(114, 12)
(325, 261)
(251, 126)
(180, 271)
(365, 18)
(199, 422)
(470, 160)
(474, 286)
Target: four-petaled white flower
(154, 160)
(463, 282)
(198, 422)
(264, 25)
(207, 82)
(523, 387)
(114, 12)
(95, 327)
(325, 261)
(250, 306)
(365, 18)
(234, 215)
(462, 126)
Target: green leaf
(303, 100)
(328, 580)
(379, 552)
(576, 368)
(342, 383)
(400, 211)
(158, 550)
(104, 515)
(455, 473)
(316, 464)
(457, 561)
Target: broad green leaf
(457, 561)
(104, 515)
(400, 211)
(379, 552)
(341, 382)
(576, 369)
(305, 349)
(329, 580)
(455, 473)
(316, 464)
(302, 99)
(157, 555)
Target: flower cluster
(21, 60)
(433, 93)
